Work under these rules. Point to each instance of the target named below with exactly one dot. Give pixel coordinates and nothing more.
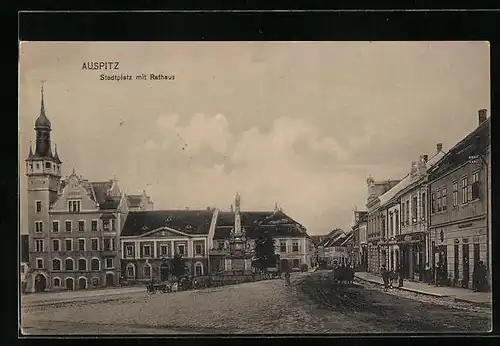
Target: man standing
(385, 277)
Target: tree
(264, 256)
(178, 266)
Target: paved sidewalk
(459, 294)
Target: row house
(376, 222)
(360, 257)
(73, 224)
(460, 228)
(404, 226)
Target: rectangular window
(105, 225)
(455, 193)
(397, 221)
(55, 245)
(283, 247)
(164, 250)
(147, 250)
(465, 183)
(107, 244)
(180, 249)
(55, 226)
(95, 244)
(39, 263)
(439, 201)
(74, 206)
(433, 200)
(38, 226)
(198, 249)
(295, 246)
(407, 211)
(414, 208)
(81, 226)
(444, 198)
(68, 226)
(130, 250)
(47, 165)
(81, 244)
(94, 225)
(423, 204)
(39, 245)
(113, 246)
(474, 187)
(38, 206)
(147, 272)
(403, 212)
(391, 225)
(112, 225)
(109, 263)
(69, 244)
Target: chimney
(482, 115)
(208, 208)
(426, 157)
(439, 147)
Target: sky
(301, 124)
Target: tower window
(37, 166)
(38, 226)
(38, 206)
(39, 245)
(48, 165)
(31, 166)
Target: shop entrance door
(465, 269)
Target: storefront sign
(465, 225)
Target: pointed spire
(42, 120)
(30, 155)
(73, 171)
(56, 157)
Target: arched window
(95, 264)
(56, 264)
(147, 271)
(69, 264)
(198, 269)
(82, 264)
(130, 271)
(57, 282)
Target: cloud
(264, 167)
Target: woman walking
(287, 278)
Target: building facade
(359, 240)
(150, 239)
(460, 206)
(376, 223)
(73, 224)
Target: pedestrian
(287, 278)
(401, 274)
(438, 274)
(427, 271)
(385, 277)
(479, 277)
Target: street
(313, 304)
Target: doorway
(40, 283)
(110, 279)
(70, 284)
(465, 261)
(82, 283)
(456, 270)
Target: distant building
(24, 264)
(376, 222)
(460, 208)
(360, 254)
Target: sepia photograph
(253, 187)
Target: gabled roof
(348, 238)
(99, 192)
(335, 239)
(257, 223)
(195, 222)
